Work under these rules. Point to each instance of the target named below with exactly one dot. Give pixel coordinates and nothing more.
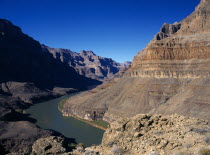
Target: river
(49, 117)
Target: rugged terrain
(171, 75)
(29, 75)
(141, 135)
(155, 135)
(88, 63)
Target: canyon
(157, 105)
(31, 74)
(171, 75)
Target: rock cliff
(28, 75)
(22, 59)
(171, 75)
(88, 63)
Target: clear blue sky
(116, 29)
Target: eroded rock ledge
(157, 134)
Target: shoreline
(83, 120)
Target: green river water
(49, 117)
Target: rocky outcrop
(167, 30)
(171, 75)
(29, 93)
(88, 63)
(50, 145)
(155, 135)
(141, 134)
(19, 136)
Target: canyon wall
(171, 75)
(87, 63)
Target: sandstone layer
(171, 75)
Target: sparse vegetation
(204, 151)
(100, 123)
(72, 145)
(61, 104)
(19, 110)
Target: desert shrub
(72, 145)
(204, 151)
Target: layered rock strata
(171, 75)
